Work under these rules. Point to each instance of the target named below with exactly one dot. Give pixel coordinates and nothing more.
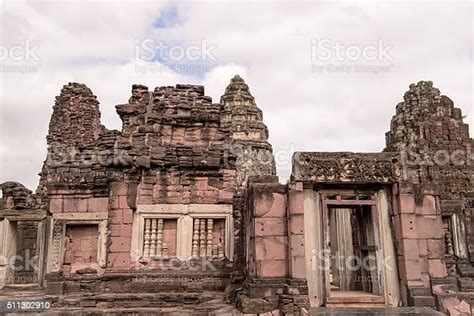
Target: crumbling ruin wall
(171, 150)
(437, 185)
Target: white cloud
(267, 43)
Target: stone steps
(211, 303)
(126, 300)
(355, 299)
(227, 310)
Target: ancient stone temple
(181, 212)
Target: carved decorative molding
(345, 167)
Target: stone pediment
(336, 167)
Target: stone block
(410, 248)
(82, 205)
(435, 248)
(272, 226)
(126, 230)
(98, 204)
(119, 188)
(409, 269)
(437, 268)
(298, 267)
(70, 205)
(115, 230)
(122, 202)
(297, 245)
(127, 216)
(297, 224)
(407, 203)
(422, 247)
(296, 202)
(405, 226)
(272, 268)
(428, 207)
(270, 205)
(120, 244)
(116, 216)
(118, 260)
(429, 226)
(56, 205)
(271, 248)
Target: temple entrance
(21, 250)
(351, 240)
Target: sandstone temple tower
(181, 212)
(249, 134)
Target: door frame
(344, 203)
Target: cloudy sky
(327, 75)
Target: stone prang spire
(244, 120)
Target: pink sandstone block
(269, 248)
(98, 204)
(116, 216)
(272, 268)
(127, 216)
(437, 268)
(114, 202)
(225, 196)
(296, 202)
(298, 267)
(70, 205)
(271, 206)
(56, 205)
(82, 205)
(296, 224)
(410, 248)
(119, 188)
(428, 207)
(115, 230)
(407, 203)
(409, 269)
(120, 244)
(270, 226)
(126, 230)
(422, 247)
(118, 260)
(435, 248)
(405, 226)
(297, 245)
(122, 202)
(430, 226)
(424, 267)
(425, 278)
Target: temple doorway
(21, 250)
(353, 251)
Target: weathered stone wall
(171, 150)
(436, 190)
(435, 147)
